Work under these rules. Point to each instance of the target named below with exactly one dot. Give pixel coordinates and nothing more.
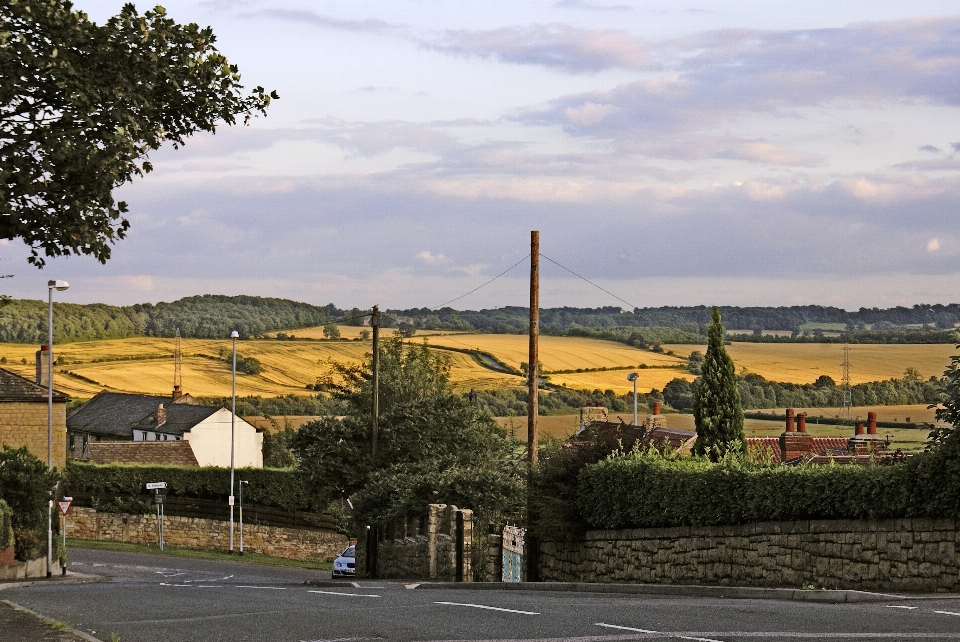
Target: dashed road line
(663, 633)
(947, 613)
(347, 594)
(898, 606)
(489, 608)
(268, 588)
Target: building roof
(822, 449)
(179, 418)
(173, 453)
(13, 387)
(114, 413)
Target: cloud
(591, 6)
(759, 152)
(937, 165)
(956, 146)
(589, 114)
(933, 245)
(929, 148)
(429, 258)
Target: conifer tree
(716, 400)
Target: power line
(484, 285)
(588, 281)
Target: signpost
(158, 500)
(64, 505)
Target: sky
(767, 152)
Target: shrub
(25, 485)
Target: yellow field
(804, 362)
(558, 426)
(616, 380)
(145, 365)
(557, 353)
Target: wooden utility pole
(375, 325)
(533, 364)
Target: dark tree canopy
(81, 106)
(716, 400)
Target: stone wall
(415, 549)
(190, 532)
(24, 423)
(884, 555)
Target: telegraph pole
(533, 364)
(375, 325)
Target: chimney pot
(790, 427)
(802, 422)
(43, 366)
(859, 428)
(656, 407)
(871, 423)
(161, 415)
(177, 393)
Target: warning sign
(65, 505)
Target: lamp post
(233, 415)
(633, 377)
(242, 482)
(60, 286)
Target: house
(170, 453)
(121, 417)
(23, 417)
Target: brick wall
(25, 424)
(6, 556)
(189, 532)
(884, 555)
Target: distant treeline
(757, 392)
(513, 402)
(892, 335)
(205, 317)
(690, 319)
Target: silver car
(345, 564)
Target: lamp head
(58, 285)
(234, 335)
(632, 376)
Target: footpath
(23, 625)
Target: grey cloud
(940, 164)
(929, 148)
(956, 146)
(370, 25)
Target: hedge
(649, 490)
(279, 488)
(6, 525)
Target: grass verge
(250, 558)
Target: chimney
(859, 428)
(43, 366)
(871, 423)
(789, 420)
(177, 393)
(161, 415)
(802, 422)
(656, 408)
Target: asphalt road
(154, 598)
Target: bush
(25, 485)
(283, 489)
(6, 525)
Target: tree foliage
(717, 412)
(82, 105)
(25, 485)
(434, 446)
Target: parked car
(345, 564)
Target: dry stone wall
(190, 532)
(883, 555)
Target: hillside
(203, 317)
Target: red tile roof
(173, 453)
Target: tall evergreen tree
(716, 400)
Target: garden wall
(883, 555)
(191, 532)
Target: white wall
(210, 441)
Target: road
(152, 598)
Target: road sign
(156, 485)
(65, 505)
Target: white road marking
(897, 606)
(341, 593)
(947, 613)
(271, 588)
(489, 608)
(663, 633)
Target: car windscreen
(350, 552)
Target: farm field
(353, 332)
(557, 353)
(616, 380)
(804, 362)
(145, 365)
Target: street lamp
(633, 377)
(233, 415)
(242, 482)
(60, 286)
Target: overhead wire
(589, 281)
(482, 286)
